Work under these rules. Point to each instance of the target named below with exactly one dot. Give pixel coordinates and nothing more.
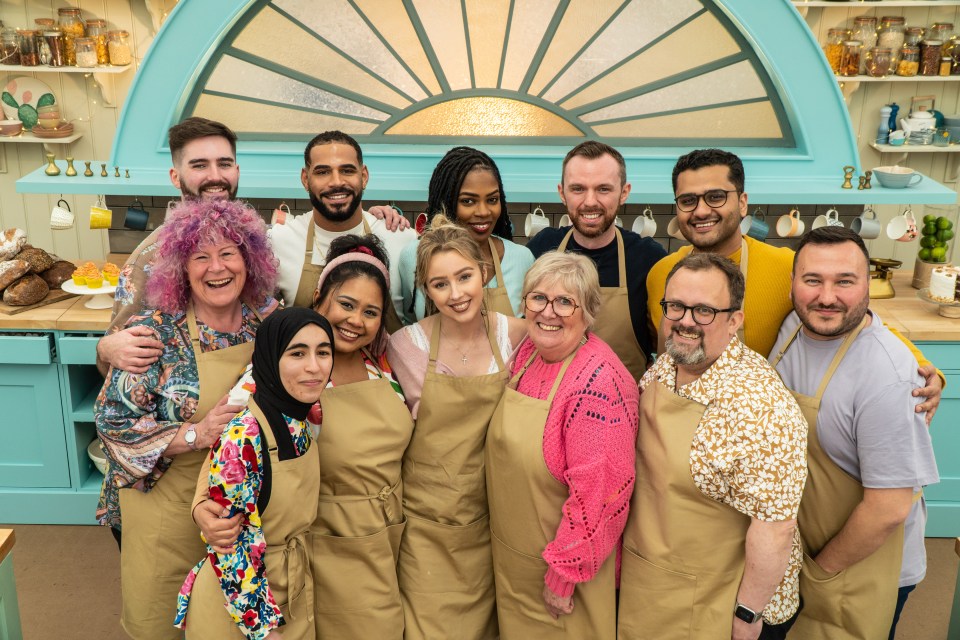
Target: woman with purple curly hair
(210, 286)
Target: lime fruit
(943, 223)
(927, 219)
(944, 234)
(938, 253)
(927, 241)
(925, 254)
(929, 229)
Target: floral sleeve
(235, 476)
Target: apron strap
(556, 381)
(519, 374)
(497, 269)
(193, 330)
(308, 252)
(366, 226)
(621, 259)
(566, 239)
(434, 345)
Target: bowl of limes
(935, 236)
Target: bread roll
(38, 259)
(11, 242)
(11, 271)
(58, 273)
(27, 290)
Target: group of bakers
(381, 435)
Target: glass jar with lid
(930, 53)
(891, 33)
(943, 31)
(86, 52)
(850, 58)
(833, 48)
(44, 24)
(865, 30)
(52, 49)
(27, 41)
(72, 28)
(913, 35)
(97, 29)
(909, 64)
(118, 46)
(9, 47)
(878, 62)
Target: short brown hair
(707, 261)
(195, 128)
(591, 150)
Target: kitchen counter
(916, 319)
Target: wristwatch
(747, 614)
(190, 437)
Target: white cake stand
(100, 298)
(947, 309)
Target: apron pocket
(519, 584)
(440, 558)
(823, 597)
(355, 573)
(653, 597)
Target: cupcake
(78, 279)
(112, 273)
(94, 279)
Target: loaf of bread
(11, 271)
(57, 274)
(27, 290)
(38, 259)
(11, 242)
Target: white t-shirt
(289, 241)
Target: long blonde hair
(443, 235)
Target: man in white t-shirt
(334, 176)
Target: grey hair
(574, 272)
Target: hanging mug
(60, 216)
(645, 225)
(673, 229)
(829, 219)
(755, 226)
(100, 216)
(420, 224)
(280, 214)
(903, 228)
(866, 224)
(565, 221)
(136, 216)
(790, 225)
(535, 222)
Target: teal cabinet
(943, 499)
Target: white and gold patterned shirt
(750, 449)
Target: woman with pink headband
(364, 428)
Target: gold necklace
(463, 354)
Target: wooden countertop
(44, 317)
(915, 318)
(78, 318)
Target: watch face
(190, 436)
(745, 614)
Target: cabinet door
(33, 451)
(943, 498)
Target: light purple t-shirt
(867, 424)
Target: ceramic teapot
(918, 121)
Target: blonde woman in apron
(156, 427)
(467, 183)
(560, 464)
(451, 366)
(265, 467)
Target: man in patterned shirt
(711, 548)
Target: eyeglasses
(562, 305)
(714, 198)
(701, 313)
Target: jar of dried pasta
(72, 27)
(97, 29)
(833, 48)
(909, 64)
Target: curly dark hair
(447, 180)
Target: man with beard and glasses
(869, 452)
(334, 176)
(711, 549)
(711, 202)
(593, 186)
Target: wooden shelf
(898, 79)
(914, 148)
(875, 5)
(29, 137)
(42, 68)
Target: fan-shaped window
(634, 72)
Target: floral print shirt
(750, 449)
(235, 479)
(138, 414)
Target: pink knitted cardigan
(589, 445)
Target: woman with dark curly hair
(466, 187)
(209, 287)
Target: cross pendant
(463, 359)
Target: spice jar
(930, 53)
(72, 28)
(891, 34)
(9, 47)
(27, 41)
(850, 58)
(913, 35)
(118, 46)
(97, 29)
(833, 49)
(878, 62)
(51, 49)
(909, 64)
(86, 52)
(865, 30)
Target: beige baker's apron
(310, 274)
(683, 553)
(525, 511)
(161, 544)
(496, 298)
(295, 484)
(355, 540)
(613, 323)
(446, 568)
(857, 603)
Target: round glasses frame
(702, 314)
(537, 307)
(714, 198)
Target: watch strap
(747, 614)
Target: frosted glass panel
(393, 23)
(487, 20)
(756, 120)
(243, 116)
(484, 117)
(736, 82)
(527, 28)
(241, 78)
(293, 47)
(674, 54)
(443, 21)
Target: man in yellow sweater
(710, 204)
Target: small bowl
(49, 109)
(896, 177)
(10, 127)
(896, 142)
(49, 122)
(96, 455)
